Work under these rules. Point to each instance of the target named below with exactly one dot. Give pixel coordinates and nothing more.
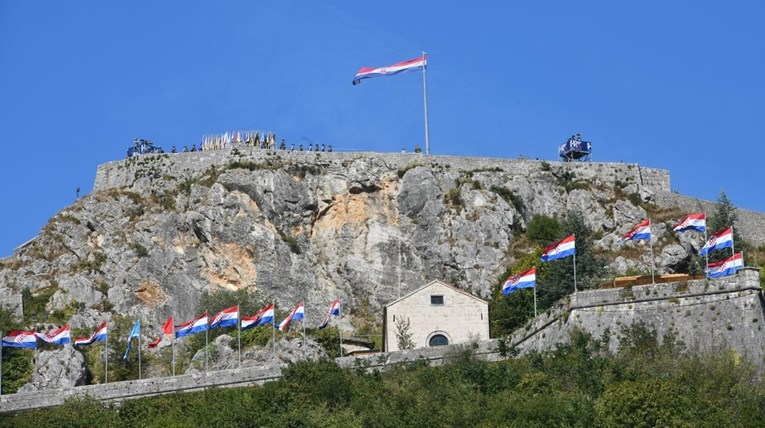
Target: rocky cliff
(159, 230)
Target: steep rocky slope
(159, 230)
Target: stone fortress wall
(188, 165)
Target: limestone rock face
(223, 354)
(158, 231)
(60, 368)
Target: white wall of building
(460, 318)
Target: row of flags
(226, 318)
(641, 232)
(60, 336)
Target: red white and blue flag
(58, 337)
(20, 339)
(726, 267)
(225, 318)
(411, 65)
(334, 311)
(641, 232)
(560, 250)
(265, 316)
(718, 241)
(167, 330)
(98, 336)
(297, 314)
(197, 325)
(527, 279)
(696, 221)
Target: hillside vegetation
(645, 384)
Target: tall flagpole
(173, 345)
(535, 300)
(425, 99)
(305, 353)
(239, 334)
(139, 349)
(106, 355)
(650, 247)
(207, 335)
(341, 340)
(575, 290)
(273, 323)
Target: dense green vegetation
(646, 383)
(555, 279)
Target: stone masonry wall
(705, 315)
(460, 318)
(188, 165)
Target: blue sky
(675, 85)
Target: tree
(403, 334)
(508, 313)
(724, 217)
(543, 230)
(559, 280)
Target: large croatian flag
(641, 232)
(559, 250)
(527, 279)
(225, 318)
(20, 339)
(411, 65)
(98, 336)
(334, 311)
(726, 267)
(265, 316)
(297, 314)
(194, 326)
(718, 241)
(696, 221)
(58, 337)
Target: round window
(438, 340)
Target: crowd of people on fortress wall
(228, 141)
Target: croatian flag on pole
(20, 339)
(641, 232)
(692, 222)
(194, 326)
(265, 316)
(167, 330)
(560, 249)
(225, 318)
(98, 336)
(334, 311)
(58, 337)
(527, 279)
(411, 65)
(718, 241)
(296, 314)
(726, 267)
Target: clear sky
(675, 85)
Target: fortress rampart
(188, 165)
